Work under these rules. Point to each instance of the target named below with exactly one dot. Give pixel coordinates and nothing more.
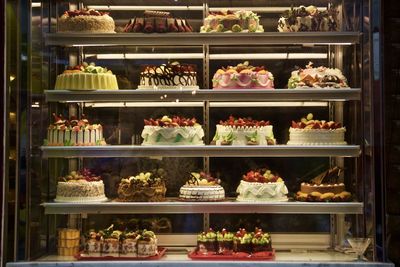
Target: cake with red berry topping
(225, 242)
(202, 187)
(80, 186)
(232, 21)
(262, 185)
(243, 76)
(207, 242)
(242, 241)
(172, 131)
(315, 132)
(86, 20)
(261, 241)
(244, 131)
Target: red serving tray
(83, 257)
(238, 256)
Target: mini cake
(242, 241)
(74, 132)
(262, 185)
(207, 242)
(111, 242)
(172, 131)
(129, 241)
(244, 131)
(68, 242)
(86, 77)
(93, 243)
(243, 76)
(232, 21)
(202, 187)
(86, 20)
(169, 76)
(306, 19)
(225, 242)
(325, 187)
(261, 241)
(315, 78)
(144, 187)
(315, 132)
(147, 244)
(80, 186)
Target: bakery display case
(181, 131)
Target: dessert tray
(238, 256)
(85, 257)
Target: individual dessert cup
(232, 21)
(202, 187)
(261, 241)
(242, 241)
(86, 21)
(111, 241)
(94, 243)
(207, 243)
(147, 244)
(225, 242)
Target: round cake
(232, 21)
(86, 20)
(202, 187)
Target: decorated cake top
(175, 121)
(329, 177)
(309, 123)
(243, 122)
(303, 11)
(229, 14)
(146, 179)
(73, 123)
(87, 68)
(210, 235)
(224, 235)
(84, 12)
(169, 69)
(84, 175)
(262, 176)
(147, 235)
(110, 233)
(245, 68)
(260, 238)
(202, 179)
(243, 236)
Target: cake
(68, 242)
(262, 185)
(207, 242)
(316, 78)
(242, 241)
(93, 243)
(315, 132)
(261, 241)
(144, 187)
(232, 21)
(86, 77)
(327, 186)
(129, 241)
(172, 131)
(147, 244)
(111, 242)
(157, 21)
(74, 132)
(225, 242)
(86, 20)
(306, 19)
(243, 76)
(80, 186)
(168, 76)
(244, 131)
(202, 187)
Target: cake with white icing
(172, 131)
(316, 132)
(86, 21)
(232, 21)
(202, 187)
(262, 185)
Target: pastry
(232, 21)
(207, 242)
(202, 187)
(147, 244)
(225, 242)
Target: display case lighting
(174, 103)
(148, 56)
(268, 104)
(139, 8)
(36, 4)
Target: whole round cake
(202, 187)
(80, 186)
(246, 131)
(315, 132)
(243, 76)
(86, 77)
(172, 131)
(86, 20)
(232, 21)
(262, 185)
(169, 76)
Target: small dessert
(168, 76)
(242, 241)
(261, 241)
(172, 131)
(202, 187)
(243, 131)
(243, 76)
(325, 187)
(111, 242)
(225, 242)
(232, 21)
(93, 243)
(316, 78)
(86, 77)
(207, 242)
(147, 244)
(315, 132)
(86, 21)
(307, 19)
(68, 242)
(262, 185)
(129, 242)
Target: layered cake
(157, 21)
(147, 244)
(86, 20)
(144, 187)
(207, 242)
(242, 241)
(168, 76)
(232, 21)
(172, 131)
(93, 243)
(202, 187)
(262, 185)
(244, 131)
(74, 132)
(327, 186)
(314, 132)
(261, 241)
(225, 242)
(129, 241)
(80, 186)
(321, 77)
(86, 77)
(111, 242)
(306, 19)
(68, 242)
(243, 76)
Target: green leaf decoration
(158, 139)
(178, 138)
(216, 137)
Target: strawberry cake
(202, 187)
(86, 20)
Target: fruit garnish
(261, 176)
(309, 123)
(175, 121)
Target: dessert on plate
(232, 21)
(202, 187)
(86, 21)
(147, 244)
(207, 242)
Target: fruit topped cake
(316, 132)
(225, 242)
(328, 186)
(306, 19)
(129, 241)
(262, 185)
(202, 187)
(111, 242)
(86, 77)
(93, 243)
(86, 20)
(172, 131)
(243, 76)
(207, 242)
(147, 244)
(244, 131)
(232, 21)
(321, 77)
(261, 241)
(242, 241)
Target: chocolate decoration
(165, 75)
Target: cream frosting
(86, 81)
(182, 135)
(316, 136)
(253, 191)
(80, 191)
(242, 135)
(202, 193)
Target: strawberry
(316, 126)
(338, 125)
(302, 125)
(294, 125)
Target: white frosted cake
(202, 187)
(172, 131)
(86, 20)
